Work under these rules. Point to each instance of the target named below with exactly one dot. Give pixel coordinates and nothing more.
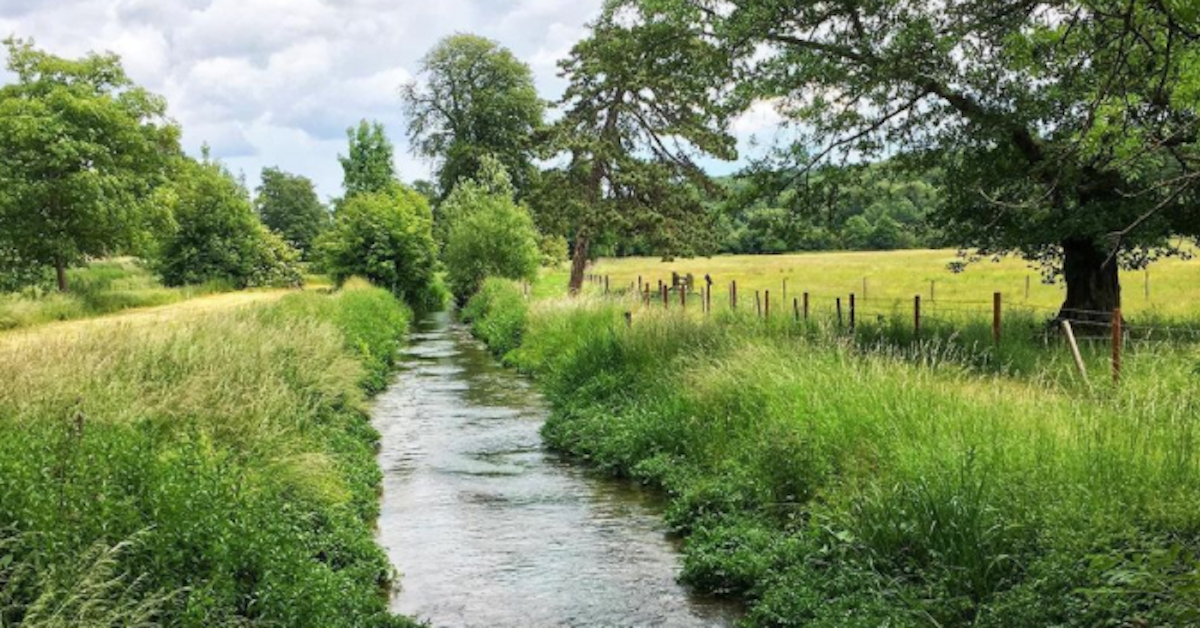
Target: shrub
(497, 315)
(387, 238)
(488, 234)
(217, 237)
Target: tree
(386, 237)
(288, 205)
(81, 150)
(1069, 127)
(216, 236)
(488, 233)
(638, 111)
(369, 167)
(477, 100)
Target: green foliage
(637, 115)
(216, 235)
(81, 150)
(838, 483)
(1066, 130)
(477, 101)
(369, 167)
(288, 205)
(487, 234)
(497, 314)
(386, 237)
(143, 485)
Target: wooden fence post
(646, 291)
(628, 319)
(606, 284)
(1026, 287)
(1117, 339)
(864, 288)
(839, 312)
(1075, 351)
(997, 304)
(639, 287)
(852, 313)
(806, 308)
(708, 299)
(917, 317)
(733, 295)
(767, 305)
(683, 297)
(785, 290)
(796, 309)
(758, 303)
(666, 297)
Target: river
(487, 528)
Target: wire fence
(923, 314)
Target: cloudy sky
(277, 82)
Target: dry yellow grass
(885, 281)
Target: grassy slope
(833, 484)
(102, 287)
(893, 278)
(211, 471)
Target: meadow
(893, 278)
(873, 479)
(197, 468)
(99, 288)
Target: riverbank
(832, 484)
(212, 469)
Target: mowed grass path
(151, 316)
(893, 278)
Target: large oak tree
(1069, 127)
(81, 151)
(477, 100)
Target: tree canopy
(82, 148)
(369, 165)
(637, 114)
(288, 205)
(215, 235)
(477, 99)
(1069, 128)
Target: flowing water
(489, 529)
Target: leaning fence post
(1117, 340)
(1075, 351)
(997, 304)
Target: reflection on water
(488, 529)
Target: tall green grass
(216, 471)
(102, 287)
(833, 481)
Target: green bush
(387, 238)
(497, 315)
(217, 237)
(487, 234)
(215, 470)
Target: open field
(835, 481)
(102, 287)
(208, 463)
(894, 277)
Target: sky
(278, 82)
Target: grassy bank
(839, 483)
(214, 471)
(102, 287)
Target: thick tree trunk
(1093, 286)
(579, 262)
(60, 270)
